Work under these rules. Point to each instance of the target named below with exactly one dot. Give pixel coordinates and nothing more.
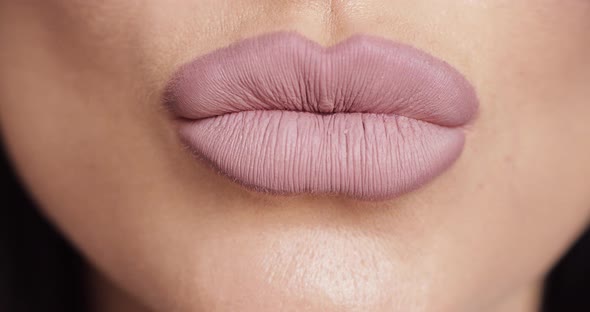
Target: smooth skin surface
(81, 113)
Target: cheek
(533, 82)
(532, 76)
(527, 156)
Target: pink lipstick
(367, 118)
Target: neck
(106, 297)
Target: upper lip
(269, 74)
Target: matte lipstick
(367, 118)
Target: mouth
(367, 118)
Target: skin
(80, 89)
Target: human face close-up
(264, 155)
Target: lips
(367, 118)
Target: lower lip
(359, 155)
